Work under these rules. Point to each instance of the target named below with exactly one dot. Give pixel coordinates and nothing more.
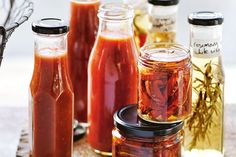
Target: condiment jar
(132, 137)
(163, 18)
(164, 83)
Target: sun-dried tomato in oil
(164, 84)
(133, 139)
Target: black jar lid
(206, 18)
(164, 2)
(50, 26)
(127, 121)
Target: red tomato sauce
(113, 81)
(81, 38)
(52, 107)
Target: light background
(17, 66)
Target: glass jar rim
(126, 120)
(85, 1)
(115, 12)
(158, 54)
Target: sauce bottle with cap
(51, 98)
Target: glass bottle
(165, 88)
(83, 32)
(204, 128)
(141, 22)
(133, 138)
(113, 76)
(162, 16)
(51, 97)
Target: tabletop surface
(82, 149)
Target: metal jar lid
(50, 26)
(206, 18)
(127, 121)
(163, 2)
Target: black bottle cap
(206, 18)
(50, 26)
(127, 121)
(164, 2)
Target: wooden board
(82, 148)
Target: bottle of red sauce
(83, 32)
(112, 73)
(51, 97)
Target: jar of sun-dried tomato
(165, 87)
(133, 138)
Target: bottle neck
(50, 43)
(116, 19)
(206, 41)
(122, 27)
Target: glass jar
(164, 83)
(205, 127)
(133, 138)
(51, 97)
(83, 32)
(113, 73)
(163, 17)
(141, 22)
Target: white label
(164, 23)
(206, 48)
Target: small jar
(164, 83)
(163, 16)
(131, 137)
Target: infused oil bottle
(162, 17)
(204, 128)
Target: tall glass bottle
(204, 128)
(162, 16)
(113, 76)
(51, 97)
(141, 22)
(83, 32)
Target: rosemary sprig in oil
(209, 98)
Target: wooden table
(82, 149)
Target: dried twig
(16, 15)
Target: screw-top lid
(164, 2)
(50, 26)
(206, 18)
(127, 121)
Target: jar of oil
(141, 22)
(162, 16)
(204, 128)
